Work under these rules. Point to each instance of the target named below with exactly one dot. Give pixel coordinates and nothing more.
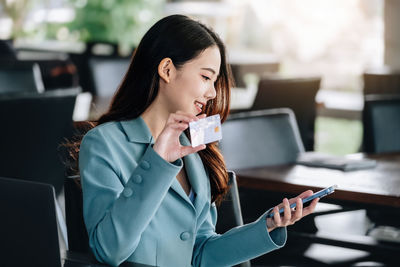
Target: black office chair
(241, 69)
(57, 73)
(381, 121)
(381, 134)
(260, 138)
(19, 76)
(298, 94)
(78, 239)
(28, 225)
(7, 51)
(33, 127)
(229, 211)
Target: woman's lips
(199, 106)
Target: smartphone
(320, 194)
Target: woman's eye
(205, 78)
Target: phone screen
(320, 194)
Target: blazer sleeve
(236, 245)
(116, 214)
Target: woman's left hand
(290, 216)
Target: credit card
(205, 130)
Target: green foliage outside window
(116, 21)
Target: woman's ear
(165, 69)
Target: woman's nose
(211, 92)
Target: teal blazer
(136, 210)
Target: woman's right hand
(168, 145)
(290, 216)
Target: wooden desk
(377, 186)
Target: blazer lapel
(176, 186)
(196, 175)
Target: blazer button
(127, 192)
(185, 236)
(145, 165)
(137, 179)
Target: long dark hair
(181, 39)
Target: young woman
(149, 197)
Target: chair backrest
(260, 138)
(107, 74)
(381, 81)
(58, 73)
(297, 94)
(19, 76)
(28, 225)
(32, 128)
(7, 51)
(78, 239)
(241, 69)
(229, 211)
(381, 121)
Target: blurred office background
(325, 60)
(337, 41)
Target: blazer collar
(137, 131)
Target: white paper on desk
(205, 130)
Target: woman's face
(192, 85)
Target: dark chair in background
(260, 138)
(297, 94)
(28, 227)
(381, 81)
(19, 76)
(7, 51)
(57, 73)
(78, 239)
(229, 211)
(107, 73)
(33, 127)
(381, 134)
(241, 69)
(381, 121)
(100, 52)
(52, 69)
